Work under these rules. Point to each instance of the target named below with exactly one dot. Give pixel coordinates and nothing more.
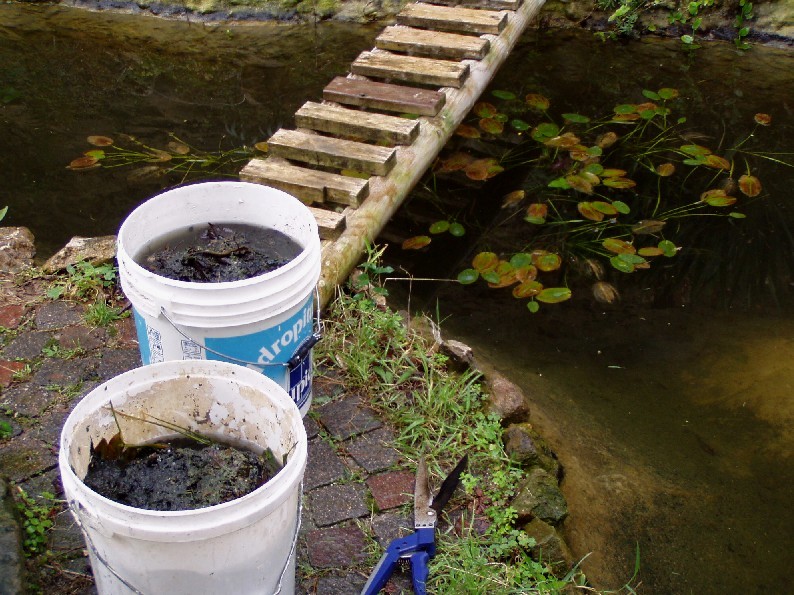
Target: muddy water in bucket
(264, 322)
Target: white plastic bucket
(262, 322)
(246, 545)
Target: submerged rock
(540, 497)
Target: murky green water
(671, 411)
(66, 74)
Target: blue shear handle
(419, 547)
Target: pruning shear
(420, 546)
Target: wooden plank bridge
(434, 64)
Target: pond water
(672, 416)
(672, 409)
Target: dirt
(179, 475)
(221, 253)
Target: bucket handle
(75, 505)
(290, 364)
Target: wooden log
(384, 96)
(308, 185)
(308, 147)
(370, 126)
(426, 71)
(388, 192)
(452, 18)
(330, 223)
(436, 44)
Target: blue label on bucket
(271, 348)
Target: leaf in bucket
(110, 450)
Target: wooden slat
(435, 44)
(449, 18)
(490, 4)
(364, 125)
(426, 71)
(330, 223)
(308, 185)
(308, 147)
(384, 96)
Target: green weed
(100, 313)
(37, 521)
(84, 281)
(6, 429)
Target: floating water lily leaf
(526, 273)
(647, 226)
(588, 211)
(711, 194)
(650, 251)
(621, 206)
(468, 276)
(622, 183)
(520, 260)
(665, 170)
(614, 173)
(560, 183)
(527, 289)
(618, 246)
(161, 156)
(763, 119)
(668, 93)
(554, 295)
(485, 110)
(537, 101)
(621, 265)
(566, 140)
(718, 162)
(145, 174)
(519, 125)
(606, 140)
(605, 292)
(663, 111)
(548, 262)
(651, 94)
(491, 126)
(648, 114)
(439, 227)
(594, 168)
(750, 185)
(720, 201)
(485, 262)
(696, 162)
(97, 154)
(544, 131)
(455, 162)
(512, 198)
(536, 213)
(625, 117)
(604, 207)
(506, 275)
(99, 141)
(590, 177)
(491, 277)
(533, 307)
(668, 248)
(262, 146)
(595, 151)
(737, 215)
(416, 243)
(501, 118)
(467, 131)
(84, 162)
(634, 259)
(457, 230)
(183, 149)
(506, 95)
(625, 108)
(483, 169)
(577, 118)
(695, 150)
(579, 183)
(579, 153)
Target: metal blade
(448, 486)
(424, 516)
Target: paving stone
(349, 584)
(117, 362)
(390, 525)
(65, 372)
(336, 503)
(28, 399)
(373, 450)
(24, 457)
(58, 314)
(66, 535)
(16, 430)
(81, 336)
(126, 333)
(7, 371)
(27, 345)
(11, 315)
(49, 426)
(337, 547)
(392, 489)
(11, 557)
(347, 417)
(323, 465)
(311, 427)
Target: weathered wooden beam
(308, 185)
(330, 223)
(436, 44)
(388, 192)
(384, 96)
(426, 71)
(370, 126)
(452, 18)
(489, 4)
(308, 147)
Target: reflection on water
(66, 74)
(673, 413)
